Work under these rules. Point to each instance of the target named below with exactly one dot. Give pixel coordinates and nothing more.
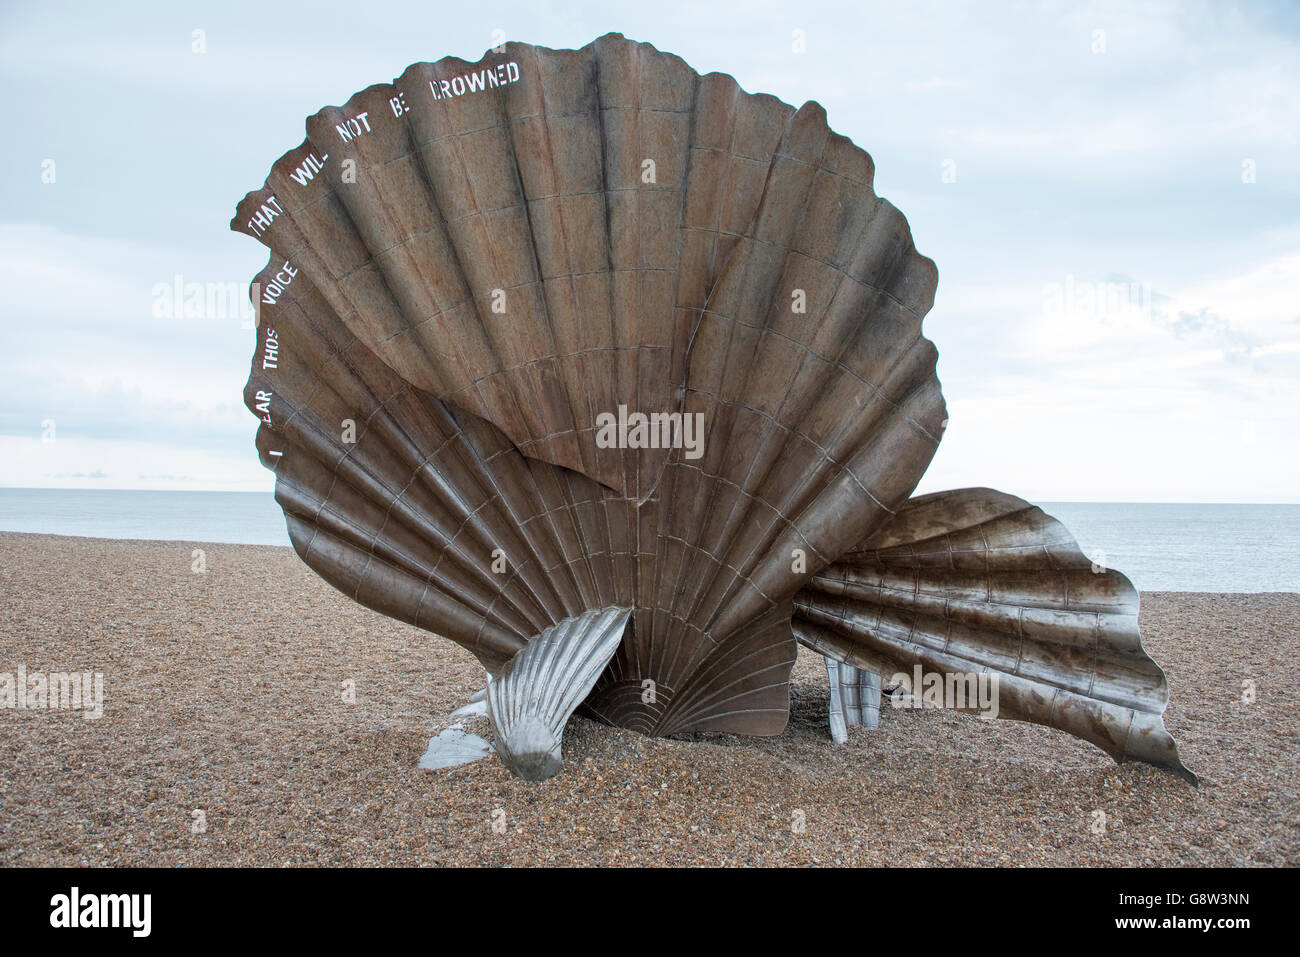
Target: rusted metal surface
(477, 268)
(977, 582)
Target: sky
(1111, 193)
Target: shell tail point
(531, 701)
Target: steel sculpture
(614, 375)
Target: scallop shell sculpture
(614, 375)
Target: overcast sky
(1111, 193)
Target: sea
(1160, 547)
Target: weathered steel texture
(531, 701)
(714, 287)
(854, 698)
(975, 581)
(474, 263)
(839, 727)
(741, 682)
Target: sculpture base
(855, 698)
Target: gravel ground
(224, 694)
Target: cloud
(1190, 396)
(87, 462)
(1117, 173)
(89, 360)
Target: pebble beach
(252, 715)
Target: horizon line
(1046, 501)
